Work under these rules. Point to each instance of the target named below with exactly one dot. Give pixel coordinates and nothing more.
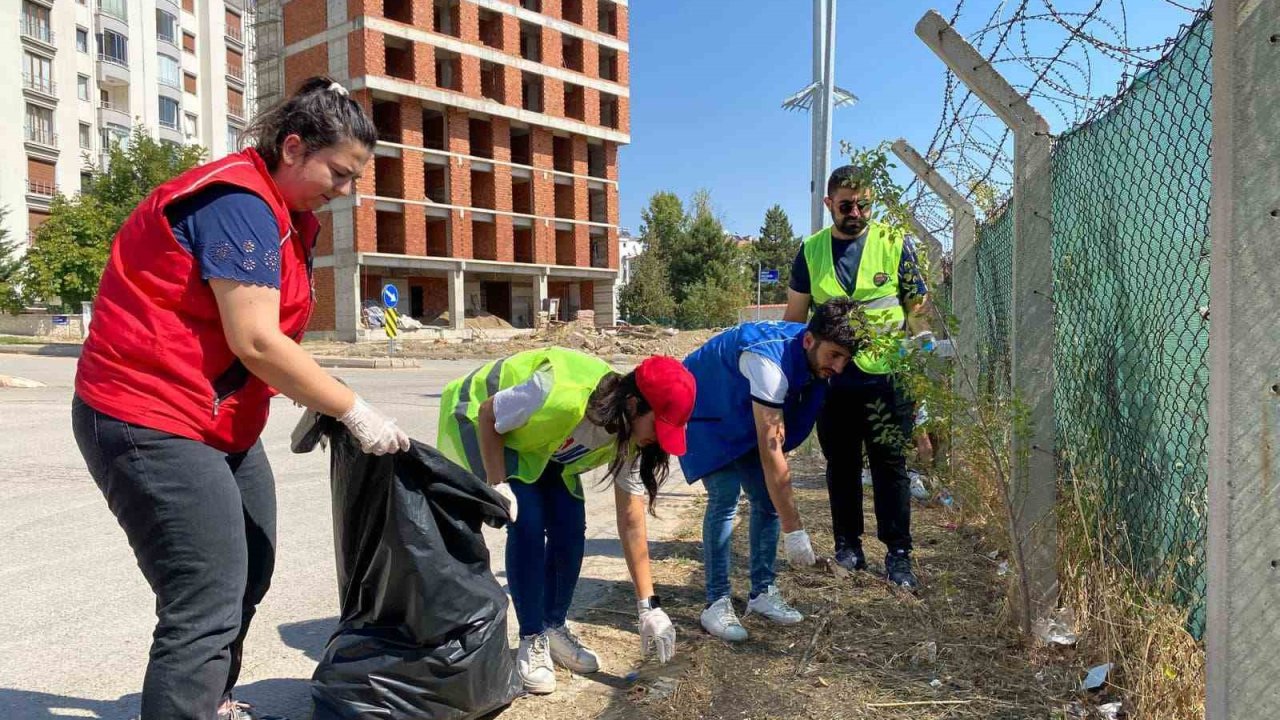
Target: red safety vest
(156, 355)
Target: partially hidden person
(869, 262)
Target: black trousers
(202, 525)
(876, 414)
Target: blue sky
(708, 78)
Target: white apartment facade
(86, 72)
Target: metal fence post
(1033, 457)
(1243, 619)
(963, 265)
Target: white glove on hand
(657, 634)
(504, 489)
(799, 549)
(377, 433)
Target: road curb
(368, 363)
(48, 350)
(73, 350)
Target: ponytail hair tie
(336, 87)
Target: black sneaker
(851, 558)
(897, 568)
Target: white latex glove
(798, 548)
(657, 634)
(377, 433)
(504, 489)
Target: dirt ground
(864, 650)
(621, 342)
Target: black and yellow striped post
(390, 323)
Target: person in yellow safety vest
(877, 267)
(532, 424)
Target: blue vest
(723, 426)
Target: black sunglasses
(846, 207)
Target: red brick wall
(435, 295)
(324, 241)
(304, 18)
(322, 317)
(309, 62)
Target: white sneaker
(567, 651)
(720, 620)
(771, 605)
(533, 662)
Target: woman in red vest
(196, 326)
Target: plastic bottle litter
(1058, 628)
(925, 653)
(944, 497)
(866, 477)
(918, 489)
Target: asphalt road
(75, 614)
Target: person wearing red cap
(532, 424)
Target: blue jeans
(723, 488)
(544, 551)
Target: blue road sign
(768, 276)
(390, 296)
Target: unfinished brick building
(494, 185)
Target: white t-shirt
(768, 382)
(513, 407)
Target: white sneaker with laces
(567, 651)
(533, 662)
(720, 620)
(771, 605)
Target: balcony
(235, 74)
(110, 113)
(235, 111)
(235, 35)
(41, 189)
(39, 32)
(41, 86)
(112, 70)
(45, 138)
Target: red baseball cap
(669, 389)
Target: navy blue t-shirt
(231, 233)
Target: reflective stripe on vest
(881, 258)
(528, 449)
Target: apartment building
(84, 73)
(494, 184)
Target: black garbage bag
(423, 632)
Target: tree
(647, 297)
(776, 249)
(70, 250)
(713, 301)
(138, 167)
(10, 264)
(72, 246)
(703, 252)
(664, 223)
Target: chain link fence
(1131, 289)
(993, 290)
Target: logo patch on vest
(880, 279)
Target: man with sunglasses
(867, 261)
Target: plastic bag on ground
(423, 627)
